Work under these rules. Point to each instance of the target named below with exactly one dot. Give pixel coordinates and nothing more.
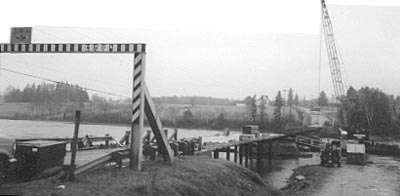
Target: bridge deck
(262, 139)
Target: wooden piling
(259, 151)
(107, 142)
(71, 175)
(216, 154)
(246, 154)
(235, 154)
(251, 145)
(228, 153)
(200, 144)
(241, 151)
(270, 151)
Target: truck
(7, 154)
(249, 132)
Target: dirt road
(382, 177)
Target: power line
(63, 83)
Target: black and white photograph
(200, 98)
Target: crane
(339, 85)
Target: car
(7, 149)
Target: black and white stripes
(72, 48)
(138, 80)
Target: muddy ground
(379, 177)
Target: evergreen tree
(277, 121)
(290, 103)
(253, 109)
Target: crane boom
(339, 85)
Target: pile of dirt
(306, 180)
(185, 176)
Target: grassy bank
(185, 176)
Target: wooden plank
(156, 126)
(88, 160)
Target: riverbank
(306, 180)
(185, 176)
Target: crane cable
(63, 83)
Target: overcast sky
(209, 48)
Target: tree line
(370, 109)
(45, 92)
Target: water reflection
(277, 170)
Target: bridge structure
(245, 151)
(142, 104)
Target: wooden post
(175, 134)
(259, 151)
(269, 151)
(200, 145)
(71, 175)
(137, 111)
(235, 155)
(241, 150)
(251, 146)
(216, 154)
(228, 153)
(246, 154)
(107, 143)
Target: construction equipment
(339, 84)
(330, 155)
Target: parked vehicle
(7, 150)
(249, 132)
(330, 155)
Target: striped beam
(72, 48)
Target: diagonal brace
(156, 126)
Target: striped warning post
(137, 111)
(137, 86)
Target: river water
(275, 172)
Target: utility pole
(284, 103)
(290, 104)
